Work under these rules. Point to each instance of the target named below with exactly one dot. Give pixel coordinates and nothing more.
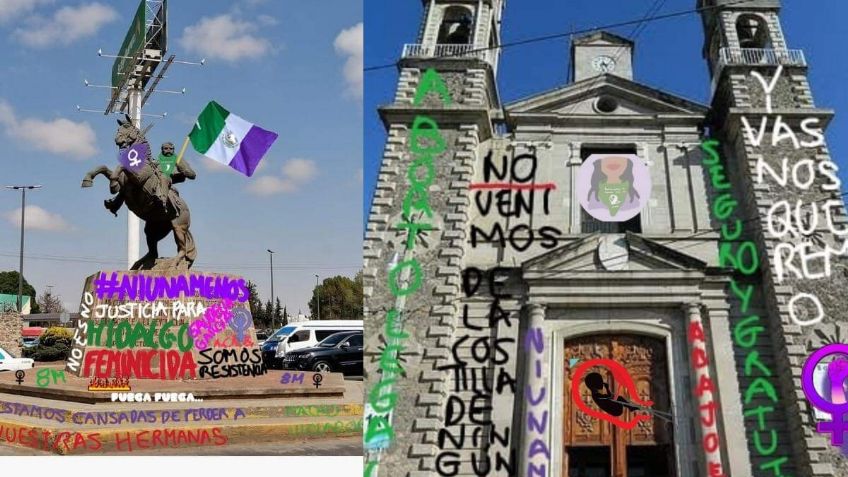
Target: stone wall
(10, 333)
(429, 315)
(791, 343)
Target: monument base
(300, 384)
(166, 326)
(66, 418)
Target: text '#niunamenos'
(149, 288)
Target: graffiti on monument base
(106, 385)
(157, 397)
(45, 440)
(45, 377)
(75, 442)
(142, 325)
(164, 438)
(224, 363)
(153, 417)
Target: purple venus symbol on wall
(240, 322)
(837, 407)
(134, 157)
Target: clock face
(603, 63)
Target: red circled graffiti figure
(612, 407)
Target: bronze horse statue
(147, 192)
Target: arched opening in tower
(456, 26)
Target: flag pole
(182, 150)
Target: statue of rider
(168, 172)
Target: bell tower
(601, 53)
(414, 246)
(459, 29)
(772, 140)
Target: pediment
(608, 252)
(579, 98)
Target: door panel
(645, 361)
(589, 462)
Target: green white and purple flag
(229, 139)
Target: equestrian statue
(147, 190)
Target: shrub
(56, 335)
(59, 352)
(54, 345)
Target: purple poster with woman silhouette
(613, 187)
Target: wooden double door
(594, 447)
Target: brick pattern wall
(10, 333)
(430, 314)
(813, 456)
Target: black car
(340, 352)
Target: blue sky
(291, 67)
(668, 55)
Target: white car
(8, 362)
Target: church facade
(514, 331)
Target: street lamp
(273, 303)
(23, 190)
(318, 296)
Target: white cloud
(267, 20)
(270, 185)
(11, 9)
(349, 43)
(224, 37)
(59, 136)
(38, 219)
(67, 25)
(296, 173)
(7, 114)
(300, 170)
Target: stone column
(535, 451)
(737, 458)
(574, 207)
(702, 383)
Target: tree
(340, 298)
(278, 312)
(285, 316)
(255, 306)
(9, 285)
(50, 303)
(269, 314)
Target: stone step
(72, 439)
(245, 402)
(58, 413)
(276, 383)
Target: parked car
(261, 336)
(29, 342)
(340, 352)
(302, 335)
(9, 362)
